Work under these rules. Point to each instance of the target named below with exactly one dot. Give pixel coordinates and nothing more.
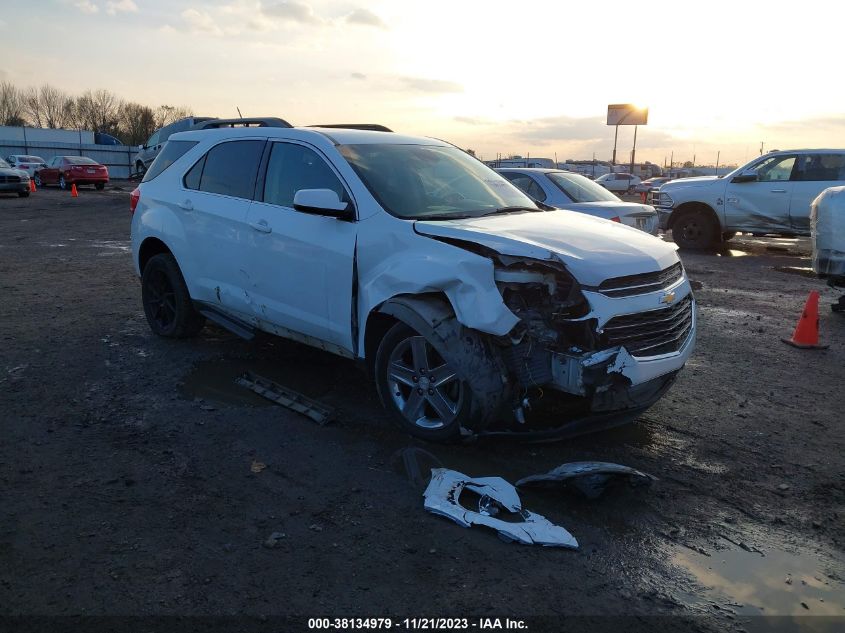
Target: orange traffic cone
(73, 192)
(806, 335)
(643, 197)
(32, 185)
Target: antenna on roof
(239, 112)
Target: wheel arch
(151, 247)
(687, 207)
(433, 316)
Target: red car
(68, 170)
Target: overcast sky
(498, 77)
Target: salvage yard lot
(137, 478)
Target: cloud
(127, 6)
(293, 12)
(86, 6)
(201, 22)
(421, 84)
(360, 76)
(365, 18)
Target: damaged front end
(614, 348)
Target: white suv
(463, 298)
(771, 194)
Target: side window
(535, 190)
(192, 178)
(776, 168)
(820, 167)
(293, 167)
(231, 168)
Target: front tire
(167, 303)
(140, 170)
(62, 182)
(37, 179)
(694, 229)
(423, 392)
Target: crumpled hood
(592, 249)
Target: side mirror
(322, 202)
(142, 147)
(746, 176)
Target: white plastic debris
(443, 497)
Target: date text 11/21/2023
(416, 624)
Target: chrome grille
(653, 332)
(8, 179)
(641, 284)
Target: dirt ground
(137, 480)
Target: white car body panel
(593, 249)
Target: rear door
(300, 265)
(215, 199)
(50, 173)
(813, 174)
(762, 205)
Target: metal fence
(118, 158)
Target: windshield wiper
(445, 216)
(501, 210)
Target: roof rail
(370, 127)
(251, 122)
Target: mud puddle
(774, 582)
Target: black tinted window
(230, 168)
(173, 151)
(820, 167)
(294, 167)
(192, 178)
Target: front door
(762, 205)
(300, 265)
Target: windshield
(418, 182)
(580, 189)
(80, 160)
(30, 159)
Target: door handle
(187, 205)
(778, 190)
(261, 226)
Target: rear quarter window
(172, 151)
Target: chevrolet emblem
(668, 298)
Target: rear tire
(167, 303)
(424, 394)
(694, 229)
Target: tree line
(95, 110)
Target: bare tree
(99, 111)
(166, 114)
(32, 107)
(136, 123)
(11, 105)
(52, 104)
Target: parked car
(652, 183)
(13, 180)
(769, 195)
(149, 150)
(459, 293)
(573, 192)
(614, 181)
(66, 171)
(101, 138)
(26, 162)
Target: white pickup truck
(770, 195)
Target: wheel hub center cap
(425, 382)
